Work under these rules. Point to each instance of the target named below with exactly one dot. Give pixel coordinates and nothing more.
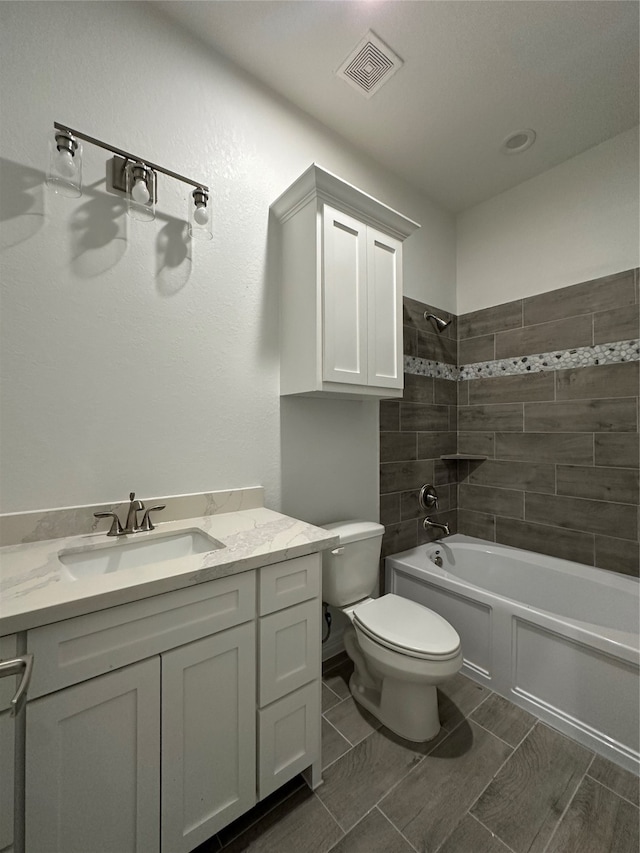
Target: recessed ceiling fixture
(518, 141)
(369, 65)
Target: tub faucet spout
(428, 523)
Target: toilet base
(408, 709)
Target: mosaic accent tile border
(616, 352)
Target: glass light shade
(200, 215)
(64, 174)
(141, 191)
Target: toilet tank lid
(354, 530)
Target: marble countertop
(36, 588)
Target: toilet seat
(406, 627)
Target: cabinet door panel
(384, 272)
(289, 650)
(209, 736)
(92, 765)
(344, 298)
(289, 737)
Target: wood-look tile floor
(495, 780)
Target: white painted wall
(130, 360)
(575, 222)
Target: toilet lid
(408, 627)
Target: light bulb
(140, 192)
(65, 164)
(201, 214)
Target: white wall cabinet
(158, 754)
(341, 282)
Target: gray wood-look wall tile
(504, 720)
(389, 415)
(463, 393)
(546, 539)
(620, 324)
(413, 316)
(524, 802)
(491, 500)
(612, 291)
(489, 320)
(455, 773)
(417, 388)
(432, 445)
(478, 524)
(604, 484)
(437, 348)
(531, 476)
(504, 417)
(574, 448)
(445, 392)
(472, 350)
(545, 337)
(512, 389)
(480, 443)
(469, 836)
(374, 834)
(600, 381)
(618, 555)
(620, 781)
(409, 341)
(390, 508)
(398, 446)
(613, 415)
(419, 417)
(597, 821)
(580, 514)
(356, 782)
(402, 476)
(400, 537)
(445, 471)
(617, 450)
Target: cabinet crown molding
(319, 183)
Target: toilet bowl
(400, 649)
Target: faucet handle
(146, 521)
(427, 497)
(116, 527)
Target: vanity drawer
(77, 649)
(288, 737)
(290, 582)
(289, 650)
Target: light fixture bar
(129, 156)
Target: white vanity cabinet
(341, 290)
(147, 723)
(8, 686)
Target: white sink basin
(134, 553)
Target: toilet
(400, 649)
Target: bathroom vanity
(161, 710)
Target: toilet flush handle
(337, 551)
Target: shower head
(438, 322)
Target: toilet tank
(350, 571)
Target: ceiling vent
(369, 66)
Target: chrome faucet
(429, 523)
(131, 526)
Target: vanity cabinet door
(208, 736)
(93, 765)
(7, 751)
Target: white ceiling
(474, 71)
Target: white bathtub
(557, 638)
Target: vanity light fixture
(64, 174)
(135, 176)
(199, 217)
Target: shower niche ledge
(341, 290)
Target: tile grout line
(493, 834)
(602, 785)
(568, 806)
(333, 818)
